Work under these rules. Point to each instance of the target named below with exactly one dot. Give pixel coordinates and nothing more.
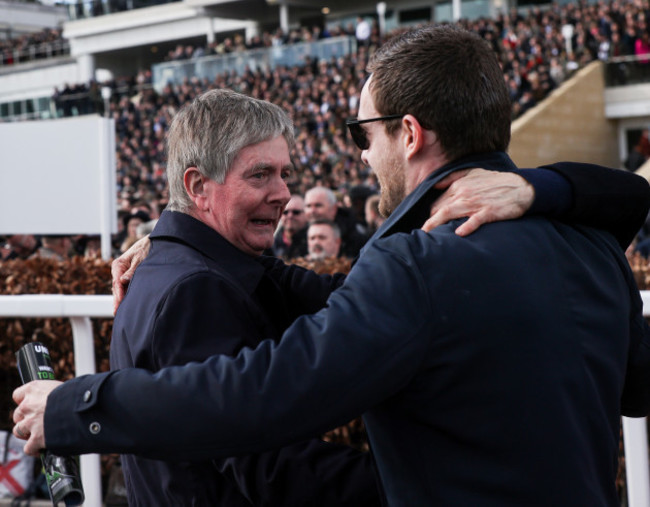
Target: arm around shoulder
(610, 199)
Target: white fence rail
(79, 309)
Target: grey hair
(329, 193)
(210, 132)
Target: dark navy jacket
(195, 296)
(492, 370)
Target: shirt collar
(178, 226)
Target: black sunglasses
(359, 134)
(292, 211)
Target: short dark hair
(324, 221)
(451, 81)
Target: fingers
(120, 284)
(19, 433)
(472, 224)
(482, 196)
(19, 395)
(29, 415)
(34, 446)
(128, 274)
(118, 267)
(123, 268)
(440, 214)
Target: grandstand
(136, 62)
(579, 86)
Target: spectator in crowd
(374, 219)
(131, 224)
(20, 246)
(396, 354)
(290, 238)
(642, 47)
(47, 43)
(362, 31)
(639, 153)
(145, 228)
(358, 195)
(635, 158)
(321, 204)
(56, 247)
(91, 246)
(323, 240)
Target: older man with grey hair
(200, 291)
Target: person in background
(323, 239)
(131, 223)
(57, 247)
(321, 204)
(373, 217)
(289, 241)
(358, 196)
(20, 246)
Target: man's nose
(281, 192)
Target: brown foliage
(78, 275)
(326, 266)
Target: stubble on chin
(392, 194)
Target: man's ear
(414, 135)
(195, 187)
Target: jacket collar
(181, 227)
(415, 209)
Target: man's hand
(123, 267)
(483, 196)
(29, 415)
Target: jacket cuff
(68, 419)
(553, 192)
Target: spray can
(61, 473)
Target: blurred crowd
(47, 43)
(237, 42)
(538, 50)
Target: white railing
(79, 309)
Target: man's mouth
(263, 221)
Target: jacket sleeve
(326, 369)
(610, 199)
(311, 473)
(305, 291)
(635, 401)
